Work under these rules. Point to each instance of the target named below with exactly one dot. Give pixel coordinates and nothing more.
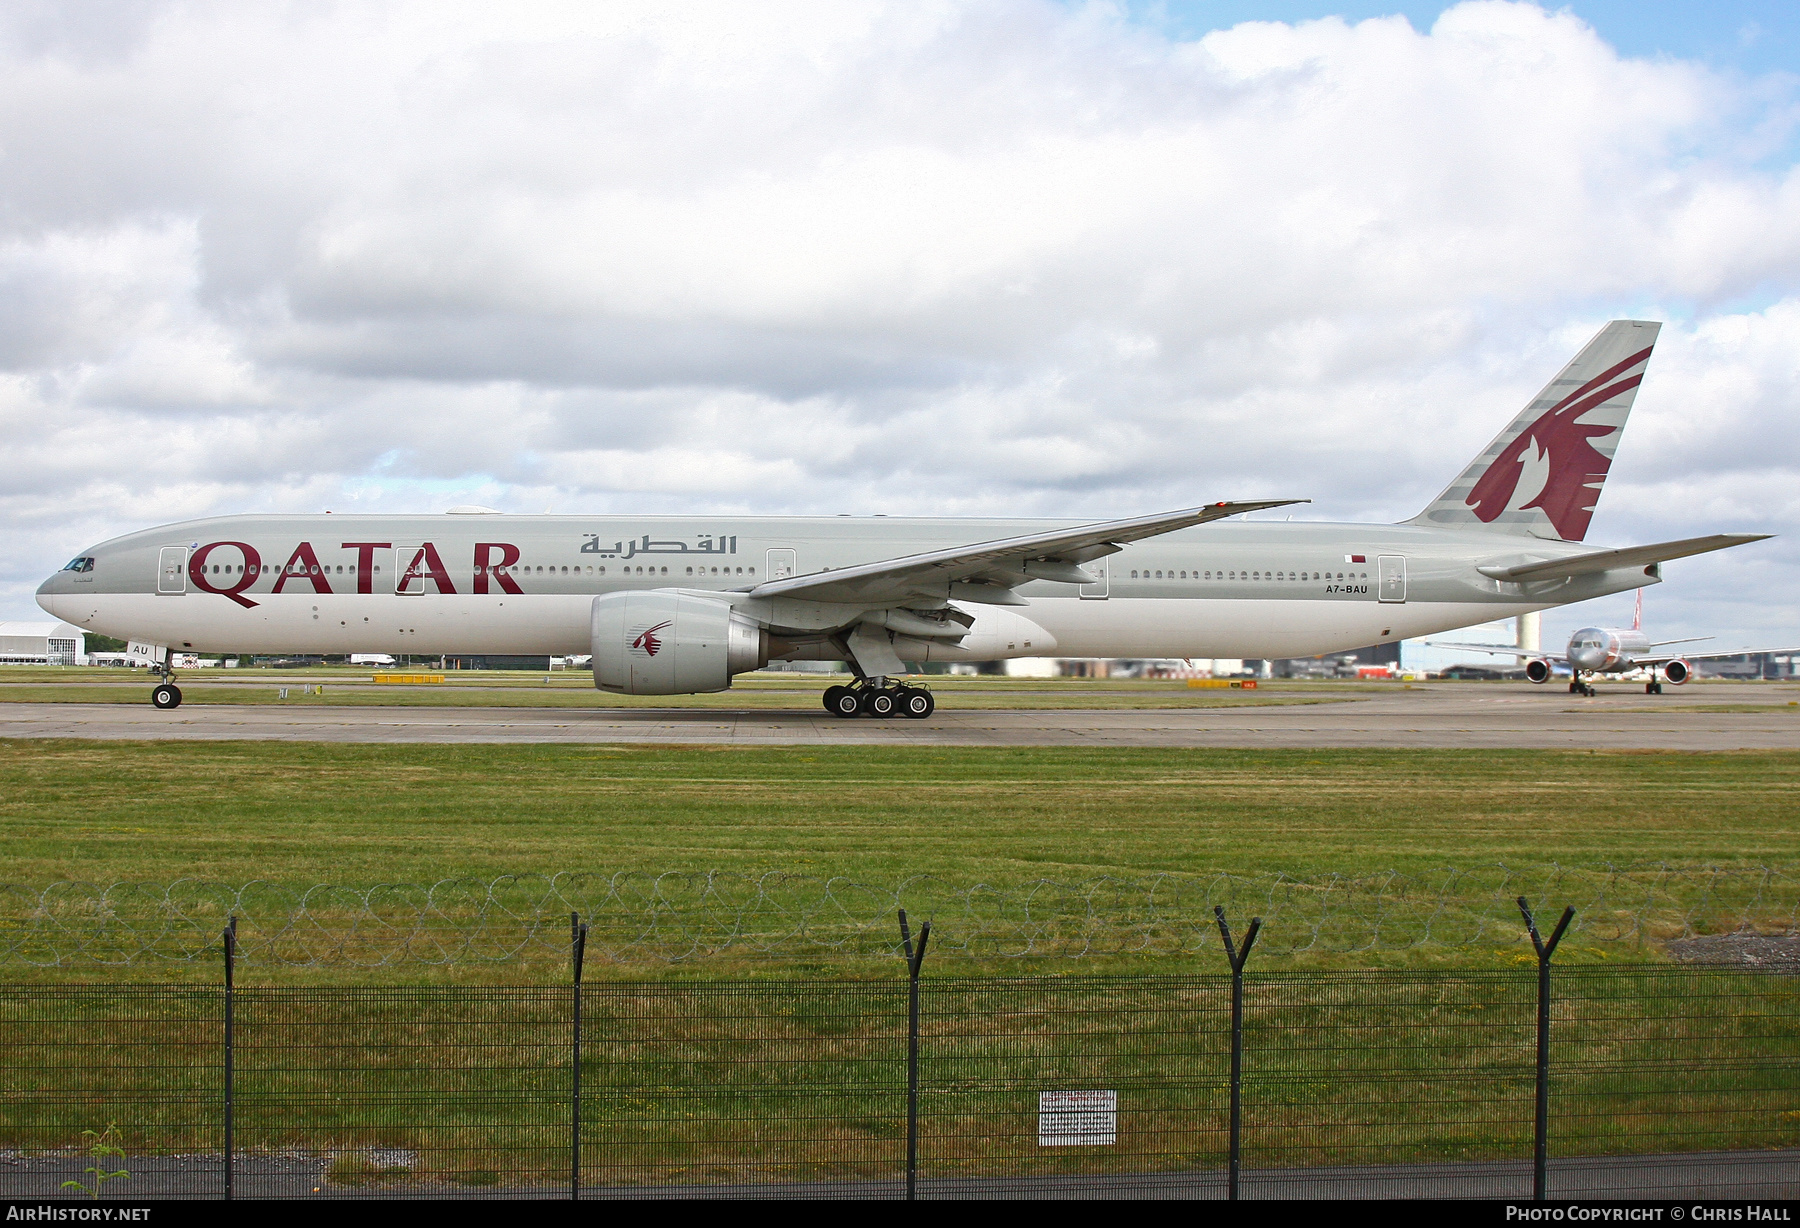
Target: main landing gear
(1653, 688)
(167, 695)
(879, 697)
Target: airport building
(46, 643)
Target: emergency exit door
(782, 564)
(1391, 578)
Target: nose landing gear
(880, 698)
(1578, 687)
(167, 695)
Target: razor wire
(676, 916)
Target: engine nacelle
(1677, 671)
(666, 642)
(1537, 670)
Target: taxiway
(1760, 718)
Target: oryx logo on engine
(647, 641)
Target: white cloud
(998, 258)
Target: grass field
(311, 812)
(687, 1069)
(733, 1068)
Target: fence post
(230, 1049)
(1540, 1155)
(914, 959)
(577, 950)
(1237, 955)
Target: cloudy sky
(1012, 256)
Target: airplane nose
(46, 598)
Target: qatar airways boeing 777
(671, 605)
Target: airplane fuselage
(1608, 649)
(493, 583)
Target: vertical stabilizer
(1542, 475)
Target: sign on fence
(1078, 1119)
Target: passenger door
(1391, 578)
(409, 557)
(171, 570)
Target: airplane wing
(1710, 656)
(987, 572)
(1498, 650)
(1606, 560)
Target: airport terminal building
(45, 643)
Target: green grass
(301, 813)
(684, 1087)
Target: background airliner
(1614, 650)
(671, 605)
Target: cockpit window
(85, 563)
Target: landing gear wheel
(168, 695)
(880, 703)
(1575, 688)
(1653, 688)
(842, 701)
(916, 703)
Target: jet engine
(1537, 670)
(1677, 671)
(667, 642)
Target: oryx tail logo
(648, 641)
(1566, 469)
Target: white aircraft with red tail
(1614, 650)
(680, 604)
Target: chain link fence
(1663, 1081)
(641, 917)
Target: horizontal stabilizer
(1609, 560)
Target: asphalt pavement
(1483, 716)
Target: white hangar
(41, 644)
